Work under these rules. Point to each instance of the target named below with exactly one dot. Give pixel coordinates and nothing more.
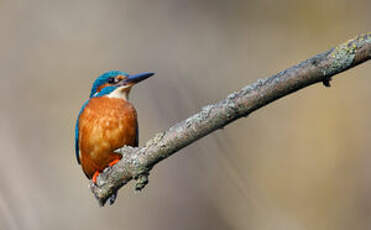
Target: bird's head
(109, 78)
(122, 87)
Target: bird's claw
(96, 174)
(113, 162)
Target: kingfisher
(107, 121)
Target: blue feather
(105, 91)
(102, 79)
(77, 132)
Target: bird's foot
(113, 162)
(96, 174)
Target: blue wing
(77, 150)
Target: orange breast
(105, 125)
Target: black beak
(136, 78)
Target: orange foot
(114, 162)
(96, 174)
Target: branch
(137, 162)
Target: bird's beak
(136, 78)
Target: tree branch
(137, 162)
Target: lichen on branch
(136, 163)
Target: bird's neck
(120, 94)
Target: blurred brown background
(301, 163)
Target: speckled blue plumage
(102, 79)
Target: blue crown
(102, 79)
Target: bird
(107, 121)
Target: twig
(137, 162)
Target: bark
(137, 162)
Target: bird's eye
(111, 80)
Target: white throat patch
(121, 93)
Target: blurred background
(302, 162)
